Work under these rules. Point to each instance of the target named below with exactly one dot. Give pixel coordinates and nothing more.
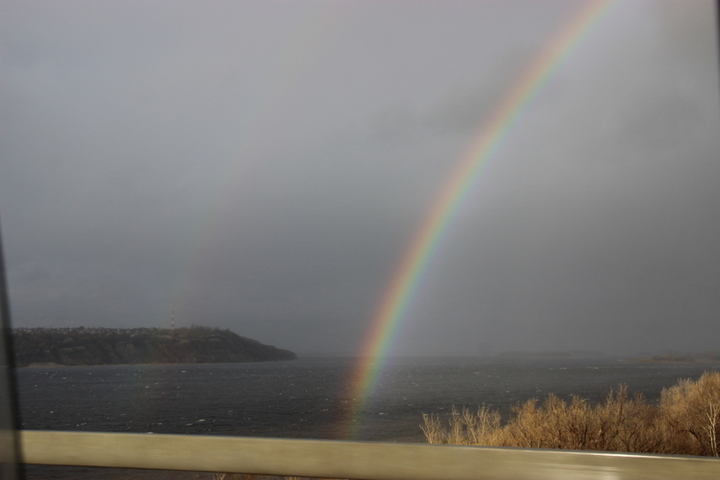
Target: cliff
(107, 346)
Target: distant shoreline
(80, 346)
(712, 358)
(59, 365)
(551, 354)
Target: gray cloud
(263, 167)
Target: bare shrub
(687, 421)
(464, 427)
(617, 424)
(628, 424)
(234, 476)
(691, 415)
(433, 428)
(249, 476)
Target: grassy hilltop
(107, 346)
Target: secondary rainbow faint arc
(435, 225)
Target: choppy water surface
(309, 398)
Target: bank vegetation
(686, 421)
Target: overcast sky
(263, 165)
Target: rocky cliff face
(107, 346)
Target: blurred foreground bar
(356, 460)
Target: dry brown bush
(686, 421)
(619, 423)
(464, 428)
(250, 476)
(691, 415)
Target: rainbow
(424, 244)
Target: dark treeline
(108, 346)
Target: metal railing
(356, 460)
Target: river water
(310, 398)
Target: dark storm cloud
(263, 167)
